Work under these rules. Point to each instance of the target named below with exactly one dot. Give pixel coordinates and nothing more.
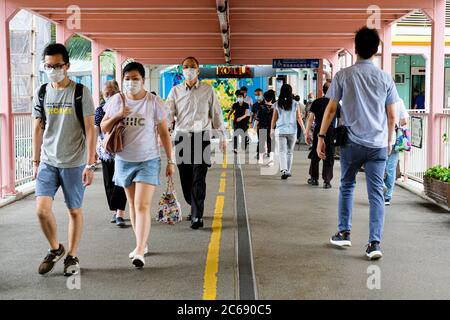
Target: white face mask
(240, 100)
(190, 74)
(54, 75)
(259, 98)
(132, 86)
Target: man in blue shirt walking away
(368, 98)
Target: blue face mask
(259, 98)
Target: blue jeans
(391, 173)
(353, 157)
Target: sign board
(233, 72)
(418, 71)
(416, 132)
(295, 63)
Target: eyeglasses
(57, 66)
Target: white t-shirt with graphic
(140, 141)
(400, 114)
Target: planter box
(437, 190)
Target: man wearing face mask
(196, 108)
(257, 105)
(63, 154)
(240, 125)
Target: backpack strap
(79, 105)
(40, 107)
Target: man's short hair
(269, 95)
(238, 93)
(54, 49)
(367, 42)
(244, 88)
(258, 90)
(134, 66)
(191, 58)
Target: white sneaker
(261, 159)
(133, 253)
(138, 261)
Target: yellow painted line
(222, 185)
(224, 174)
(212, 259)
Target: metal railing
(413, 164)
(23, 126)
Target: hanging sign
(233, 72)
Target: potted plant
(437, 184)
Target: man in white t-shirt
(401, 121)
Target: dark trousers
(193, 169)
(263, 139)
(116, 197)
(328, 163)
(240, 131)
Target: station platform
(286, 256)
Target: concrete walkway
(292, 222)
(290, 226)
(175, 266)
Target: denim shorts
(50, 178)
(125, 172)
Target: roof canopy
(252, 31)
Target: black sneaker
(289, 174)
(196, 223)
(387, 202)
(284, 175)
(373, 251)
(313, 182)
(327, 185)
(189, 217)
(71, 266)
(113, 218)
(51, 259)
(120, 222)
(341, 239)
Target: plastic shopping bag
(169, 207)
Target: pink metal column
(97, 50)
(62, 33)
(437, 81)
(334, 60)
(319, 81)
(119, 61)
(387, 48)
(7, 156)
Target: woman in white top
(286, 114)
(137, 167)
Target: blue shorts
(125, 172)
(50, 178)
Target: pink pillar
(97, 50)
(119, 61)
(7, 152)
(387, 48)
(350, 48)
(437, 82)
(334, 60)
(319, 81)
(62, 34)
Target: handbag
(113, 140)
(169, 211)
(340, 136)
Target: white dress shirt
(196, 109)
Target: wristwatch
(91, 167)
(171, 161)
(322, 136)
